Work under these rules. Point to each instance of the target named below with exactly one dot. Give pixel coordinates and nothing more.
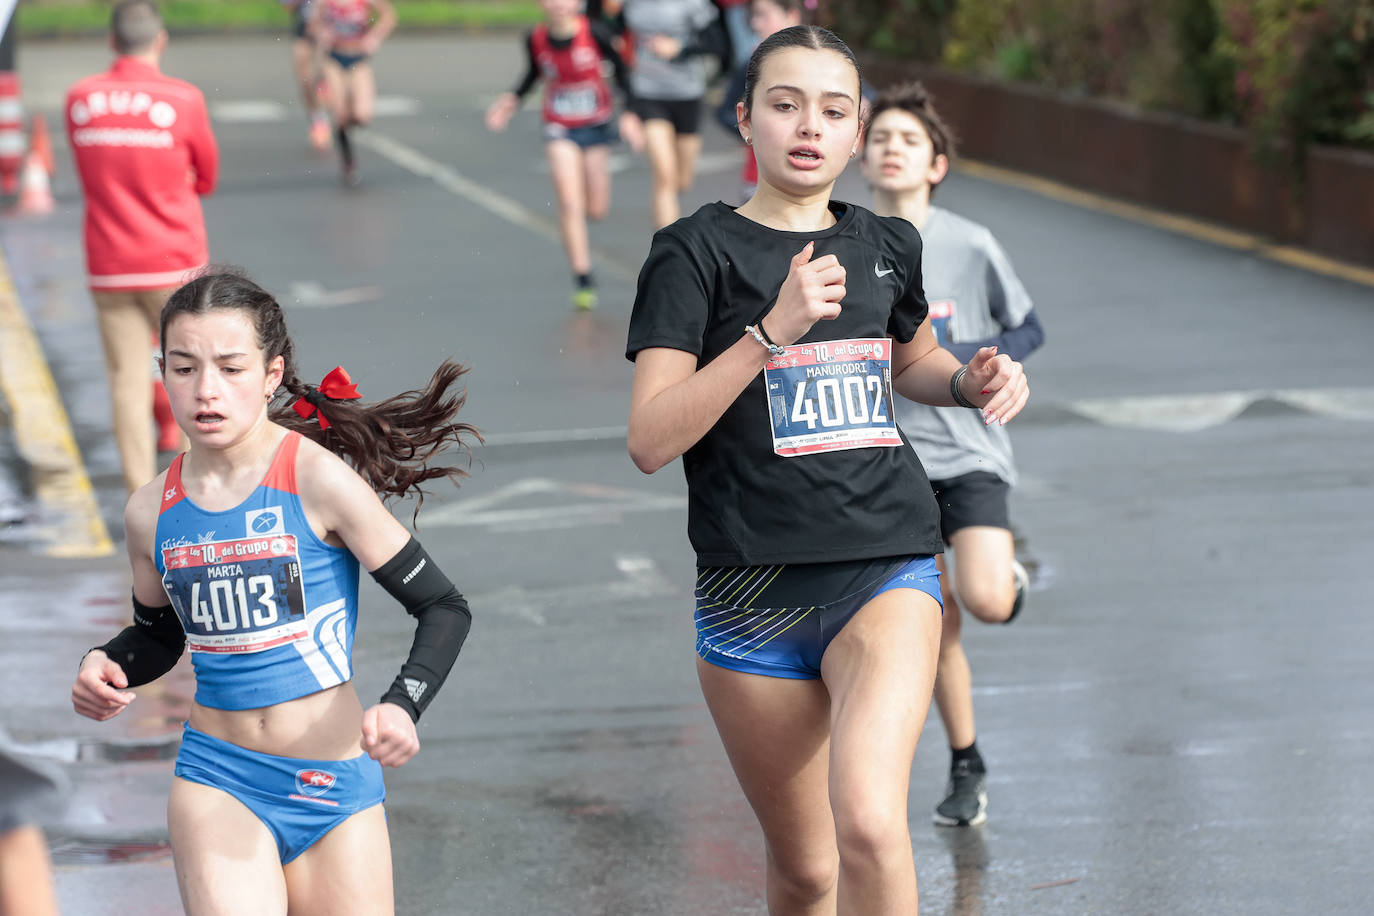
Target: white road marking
(642, 579)
(1176, 413)
(590, 504)
(248, 111)
(1193, 412)
(309, 294)
(269, 111)
(1346, 403)
(986, 690)
(394, 106)
(557, 436)
(452, 180)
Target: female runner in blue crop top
(255, 535)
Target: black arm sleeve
(413, 579)
(605, 42)
(531, 76)
(150, 648)
(1018, 342)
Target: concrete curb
(69, 521)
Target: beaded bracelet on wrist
(758, 335)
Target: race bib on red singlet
(832, 395)
(242, 595)
(576, 101)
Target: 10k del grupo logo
(158, 114)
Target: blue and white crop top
(268, 608)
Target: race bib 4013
(832, 395)
(241, 595)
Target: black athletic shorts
(972, 499)
(683, 114)
(299, 17)
(30, 789)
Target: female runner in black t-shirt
(767, 343)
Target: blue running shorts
(585, 137)
(298, 800)
(778, 620)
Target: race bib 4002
(832, 395)
(242, 595)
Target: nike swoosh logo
(882, 273)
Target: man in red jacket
(144, 149)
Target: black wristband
(766, 339)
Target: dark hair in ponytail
(796, 36)
(390, 443)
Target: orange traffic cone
(40, 141)
(35, 191)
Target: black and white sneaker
(1022, 580)
(966, 797)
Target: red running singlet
(575, 94)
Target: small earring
(748, 141)
(853, 153)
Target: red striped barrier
(13, 145)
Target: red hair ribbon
(336, 386)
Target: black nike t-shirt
(807, 465)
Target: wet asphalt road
(1179, 723)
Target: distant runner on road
(350, 32)
(671, 40)
(307, 66)
(569, 51)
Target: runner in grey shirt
(29, 790)
(975, 301)
(677, 76)
(671, 40)
(975, 298)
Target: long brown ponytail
(391, 443)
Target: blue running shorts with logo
(298, 800)
(778, 620)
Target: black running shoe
(966, 798)
(1022, 580)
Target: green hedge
(1293, 72)
(61, 18)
